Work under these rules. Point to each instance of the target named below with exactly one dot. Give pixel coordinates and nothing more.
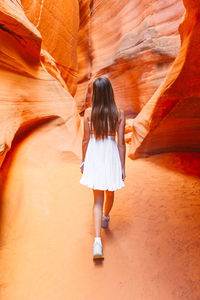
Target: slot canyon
(50, 53)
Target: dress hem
(102, 189)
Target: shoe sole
(98, 256)
(104, 226)
(104, 223)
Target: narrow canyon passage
(151, 248)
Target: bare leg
(97, 209)
(109, 202)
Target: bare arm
(86, 136)
(121, 143)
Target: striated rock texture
(27, 92)
(58, 23)
(84, 55)
(170, 121)
(45, 214)
(133, 43)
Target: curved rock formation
(58, 23)
(45, 214)
(84, 55)
(170, 121)
(27, 92)
(134, 44)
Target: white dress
(102, 167)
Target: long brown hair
(104, 116)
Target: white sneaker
(97, 250)
(104, 221)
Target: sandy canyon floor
(151, 249)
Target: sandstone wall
(58, 23)
(170, 121)
(155, 221)
(27, 92)
(84, 55)
(133, 43)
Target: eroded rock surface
(27, 91)
(170, 121)
(45, 216)
(58, 23)
(133, 43)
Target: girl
(103, 163)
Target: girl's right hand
(123, 174)
(82, 168)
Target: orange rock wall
(27, 92)
(170, 121)
(84, 55)
(45, 216)
(58, 23)
(133, 43)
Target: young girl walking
(103, 159)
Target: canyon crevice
(50, 53)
